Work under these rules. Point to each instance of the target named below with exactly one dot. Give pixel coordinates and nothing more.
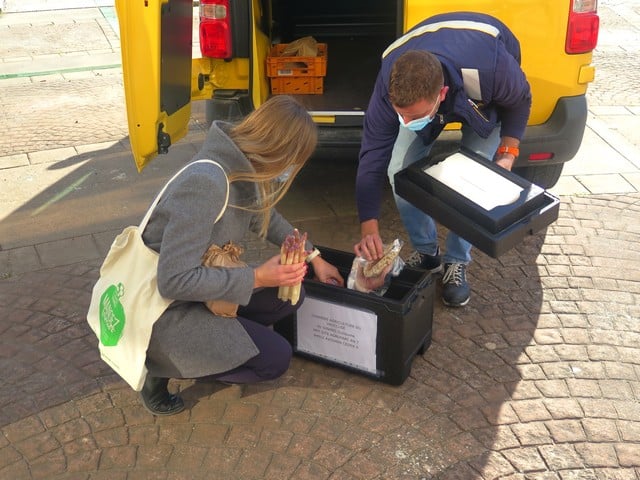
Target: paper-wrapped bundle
(226, 256)
(303, 47)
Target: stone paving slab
(538, 378)
(51, 5)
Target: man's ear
(443, 92)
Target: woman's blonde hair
(416, 75)
(277, 137)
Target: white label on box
(342, 334)
(480, 184)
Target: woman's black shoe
(157, 399)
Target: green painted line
(109, 14)
(62, 70)
(62, 194)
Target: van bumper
(560, 136)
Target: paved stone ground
(77, 120)
(616, 57)
(537, 379)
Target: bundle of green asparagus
(292, 251)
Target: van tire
(545, 176)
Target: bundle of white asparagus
(292, 251)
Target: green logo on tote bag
(112, 316)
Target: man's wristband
(312, 255)
(515, 151)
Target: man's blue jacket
(480, 58)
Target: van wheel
(545, 176)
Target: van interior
(356, 33)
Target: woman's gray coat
(188, 341)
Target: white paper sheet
(481, 185)
(342, 334)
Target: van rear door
(156, 39)
(259, 87)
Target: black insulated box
(492, 208)
(376, 336)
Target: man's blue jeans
(423, 234)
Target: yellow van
(236, 37)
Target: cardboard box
(362, 332)
(476, 210)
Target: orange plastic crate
(278, 66)
(296, 85)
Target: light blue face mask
(417, 124)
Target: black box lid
(477, 188)
(492, 231)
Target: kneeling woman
(259, 157)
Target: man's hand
(370, 246)
(505, 161)
(507, 152)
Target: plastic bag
(375, 276)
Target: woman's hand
(272, 274)
(326, 273)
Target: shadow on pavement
(451, 415)
(443, 422)
(85, 194)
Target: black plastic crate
(376, 336)
(493, 231)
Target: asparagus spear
(283, 261)
(285, 290)
(298, 256)
(292, 251)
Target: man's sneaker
(455, 289)
(432, 263)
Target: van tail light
(582, 31)
(540, 156)
(215, 29)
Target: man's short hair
(415, 75)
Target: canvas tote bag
(125, 302)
